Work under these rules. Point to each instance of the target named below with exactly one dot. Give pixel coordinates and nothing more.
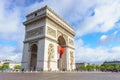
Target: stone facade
(44, 31)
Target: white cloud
(97, 55)
(108, 39)
(103, 37)
(106, 14)
(9, 18)
(11, 29)
(8, 52)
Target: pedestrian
(22, 69)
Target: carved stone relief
(71, 42)
(51, 51)
(51, 32)
(71, 57)
(35, 24)
(50, 54)
(34, 32)
(31, 25)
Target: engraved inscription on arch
(34, 32)
(51, 32)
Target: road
(60, 76)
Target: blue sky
(96, 24)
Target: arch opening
(61, 41)
(33, 59)
(61, 62)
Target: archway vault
(62, 59)
(61, 41)
(33, 58)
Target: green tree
(115, 67)
(105, 67)
(110, 67)
(102, 68)
(90, 67)
(5, 66)
(97, 67)
(1, 67)
(83, 68)
(17, 67)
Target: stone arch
(50, 55)
(33, 58)
(62, 61)
(61, 41)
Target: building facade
(112, 62)
(81, 64)
(44, 32)
(10, 63)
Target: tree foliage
(0, 67)
(5, 66)
(82, 68)
(17, 67)
(103, 67)
(110, 67)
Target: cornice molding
(47, 15)
(34, 19)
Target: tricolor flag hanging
(61, 51)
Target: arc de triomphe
(44, 32)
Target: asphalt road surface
(60, 76)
